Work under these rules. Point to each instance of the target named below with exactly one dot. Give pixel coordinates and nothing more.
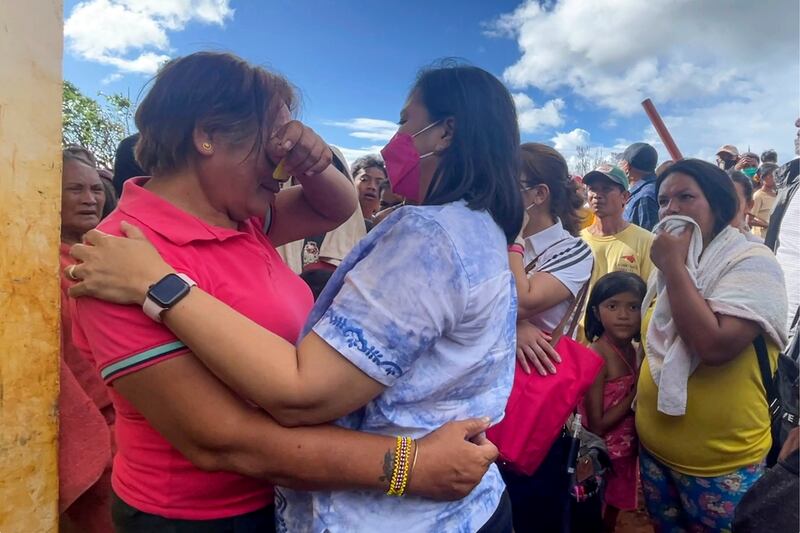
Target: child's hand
(533, 345)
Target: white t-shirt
(788, 254)
(567, 258)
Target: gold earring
(207, 147)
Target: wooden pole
(31, 36)
(662, 130)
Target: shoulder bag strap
(792, 351)
(573, 312)
(767, 378)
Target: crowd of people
(258, 336)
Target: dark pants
(541, 503)
(500, 521)
(130, 520)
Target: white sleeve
(571, 265)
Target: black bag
(771, 504)
(587, 474)
(543, 502)
(782, 388)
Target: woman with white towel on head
(701, 413)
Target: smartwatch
(164, 294)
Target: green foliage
(98, 127)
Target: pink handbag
(540, 405)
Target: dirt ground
(634, 522)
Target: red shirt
(85, 426)
(240, 268)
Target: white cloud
(716, 77)
(582, 154)
(146, 63)
(371, 129)
(351, 154)
(132, 35)
(532, 119)
(569, 141)
(111, 78)
(764, 122)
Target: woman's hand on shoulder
(533, 345)
(452, 460)
(116, 269)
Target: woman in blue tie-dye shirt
(415, 328)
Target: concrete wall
(30, 198)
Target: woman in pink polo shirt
(192, 453)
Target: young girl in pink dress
(613, 319)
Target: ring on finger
(71, 273)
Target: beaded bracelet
(402, 464)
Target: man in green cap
(617, 245)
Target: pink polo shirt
(242, 269)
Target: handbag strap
(573, 312)
(767, 378)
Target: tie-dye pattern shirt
(425, 305)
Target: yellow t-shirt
(726, 425)
(626, 251)
(763, 204)
(586, 217)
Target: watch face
(169, 290)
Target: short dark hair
(746, 183)
(607, 287)
(481, 165)
(218, 92)
(125, 165)
(769, 156)
(751, 155)
(111, 198)
(716, 185)
(767, 168)
(368, 161)
(543, 165)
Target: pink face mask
(402, 163)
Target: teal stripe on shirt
(139, 358)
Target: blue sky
(577, 68)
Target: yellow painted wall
(30, 198)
